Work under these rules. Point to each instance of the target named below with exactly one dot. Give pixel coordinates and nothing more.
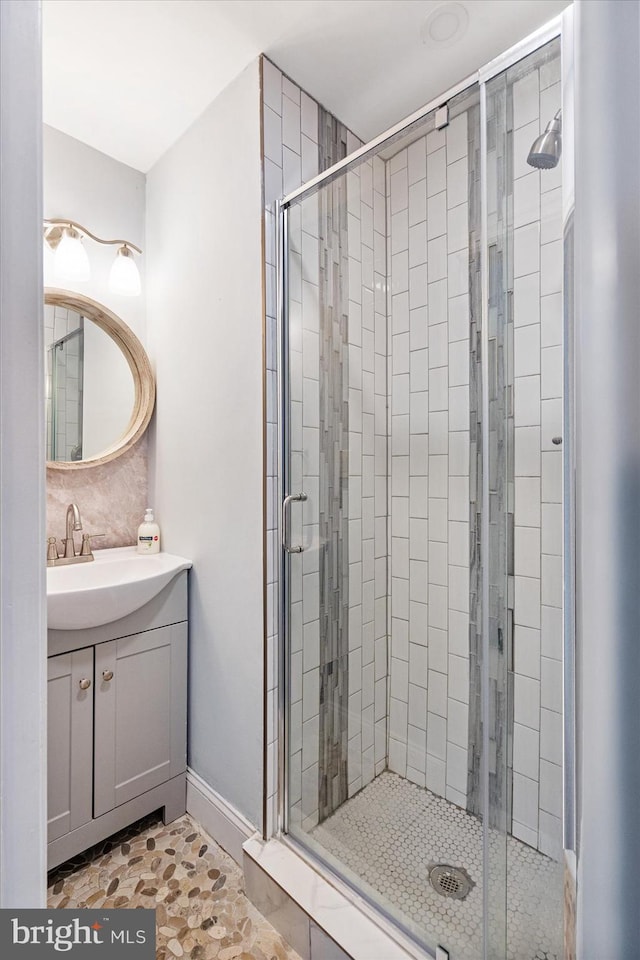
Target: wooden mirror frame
(134, 353)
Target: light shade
(124, 277)
(71, 261)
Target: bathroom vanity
(117, 621)
(117, 718)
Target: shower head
(546, 149)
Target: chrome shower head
(546, 149)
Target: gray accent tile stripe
(493, 560)
(334, 474)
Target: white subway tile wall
(429, 401)
(65, 414)
(49, 327)
(291, 155)
(538, 384)
(304, 327)
(367, 720)
(304, 410)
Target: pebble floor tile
(391, 833)
(195, 887)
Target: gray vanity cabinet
(117, 714)
(137, 739)
(70, 741)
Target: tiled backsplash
(112, 498)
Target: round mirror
(99, 386)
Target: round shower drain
(448, 881)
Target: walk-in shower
(421, 581)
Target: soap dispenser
(149, 534)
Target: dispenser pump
(148, 516)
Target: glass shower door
(382, 567)
(419, 524)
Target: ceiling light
(445, 25)
(71, 262)
(124, 277)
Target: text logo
(81, 934)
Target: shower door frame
(550, 31)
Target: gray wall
(608, 475)
(22, 527)
(205, 310)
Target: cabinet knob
(107, 675)
(84, 684)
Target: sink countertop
(117, 582)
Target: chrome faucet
(74, 522)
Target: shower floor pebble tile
(195, 887)
(391, 834)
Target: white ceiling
(129, 76)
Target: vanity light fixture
(72, 263)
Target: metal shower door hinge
(441, 118)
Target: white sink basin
(117, 582)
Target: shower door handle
(293, 497)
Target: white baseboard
(228, 827)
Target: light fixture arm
(53, 238)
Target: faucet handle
(85, 550)
(52, 550)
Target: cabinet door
(70, 741)
(140, 714)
